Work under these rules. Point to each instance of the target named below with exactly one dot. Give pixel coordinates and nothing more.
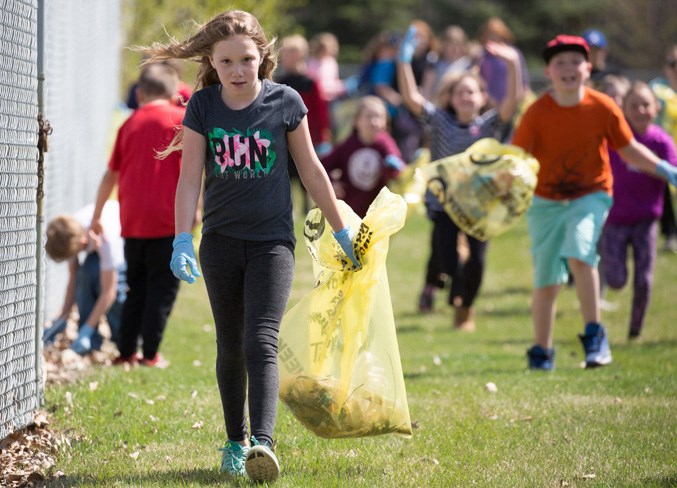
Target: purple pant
(614, 248)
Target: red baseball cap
(563, 43)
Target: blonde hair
(297, 43)
(199, 48)
(639, 86)
(64, 238)
(324, 43)
(366, 102)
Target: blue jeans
(88, 290)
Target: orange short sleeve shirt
(571, 144)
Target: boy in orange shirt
(568, 129)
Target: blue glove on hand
(393, 162)
(323, 148)
(184, 255)
(667, 171)
(408, 46)
(50, 333)
(344, 237)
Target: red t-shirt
(363, 169)
(147, 185)
(571, 144)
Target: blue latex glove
(50, 333)
(408, 46)
(344, 237)
(88, 339)
(323, 148)
(182, 256)
(394, 162)
(351, 85)
(667, 171)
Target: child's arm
(108, 182)
(642, 158)
(508, 54)
(69, 298)
(108, 280)
(190, 180)
(405, 75)
(316, 181)
(185, 205)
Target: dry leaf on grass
(27, 455)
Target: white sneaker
(261, 463)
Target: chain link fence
(74, 45)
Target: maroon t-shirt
(363, 169)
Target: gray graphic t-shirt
(247, 190)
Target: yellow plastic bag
(485, 189)
(340, 370)
(410, 183)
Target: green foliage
(612, 426)
(147, 21)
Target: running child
(638, 205)
(568, 130)
(460, 118)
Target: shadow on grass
(503, 292)
(668, 481)
(200, 477)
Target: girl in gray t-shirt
(238, 129)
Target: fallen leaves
(28, 454)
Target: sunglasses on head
(672, 63)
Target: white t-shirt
(112, 252)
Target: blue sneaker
(261, 464)
(50, 333)
(233, 458)
(596, 345)
(88, 339)
(539, 358)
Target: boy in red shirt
(569, 129)
(146, 190)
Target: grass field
(614, 426)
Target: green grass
(614, 426)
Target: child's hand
(408, 46)
(502, 51)
(93, 241)
(184, 256)
(345, 239)
(394, 162)
(666, 171)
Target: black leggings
(248, 283)
(467, 277)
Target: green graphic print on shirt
(241, 155)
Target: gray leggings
(248, 283)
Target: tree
(146, 21)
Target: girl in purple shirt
(638, 204)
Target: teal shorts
(563, 229)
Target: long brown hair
(199, 48)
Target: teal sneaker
(261, 463)
(233, 458)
